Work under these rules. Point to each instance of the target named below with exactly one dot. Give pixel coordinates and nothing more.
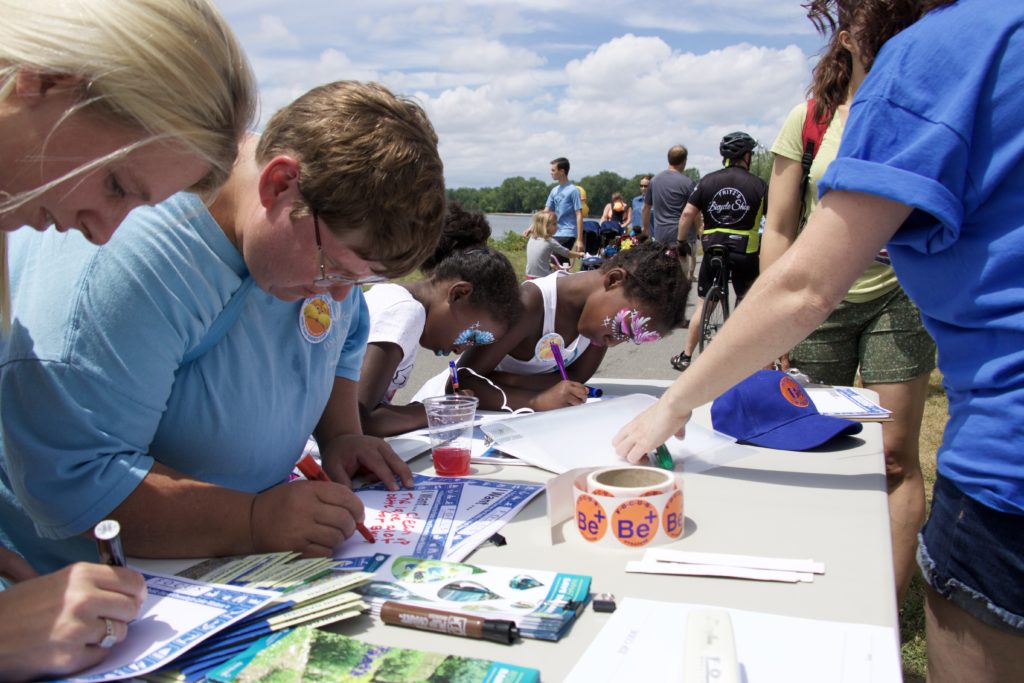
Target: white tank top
(542, 360)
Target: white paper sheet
(581, 436)
(643, 641)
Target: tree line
(526, 195)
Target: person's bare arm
(786, 303)
(346, 451)
(783, 217)
(381, 419)
(687, 219)
(52, 624)
(171, 515)
(645, 217)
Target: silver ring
(110, 639)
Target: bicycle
(716, 301)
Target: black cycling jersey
(732, 202)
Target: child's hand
(348, 454)
(565, 393)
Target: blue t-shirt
(939, 125)
(94, 388)
(564, 200)
(637, 218)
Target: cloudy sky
(511, 84)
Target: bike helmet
(735, 145)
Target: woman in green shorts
(876, 329)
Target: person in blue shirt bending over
(177, 372)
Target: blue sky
(511, 85)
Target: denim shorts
(974, 556)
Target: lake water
(502, 223)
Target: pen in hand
(455, 376)
(556, 352)
(311, 470)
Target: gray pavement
(631, 361)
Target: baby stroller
(591, 245)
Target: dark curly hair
(880, 20)
(655, 279)
(463, 254)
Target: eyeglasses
(328, 280)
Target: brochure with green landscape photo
(312, 655)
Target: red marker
(311, 470)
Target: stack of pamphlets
(310, 592)
(442, 518)
(309, 654)
(544, 604)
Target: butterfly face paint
(629, 325)
(474, 336)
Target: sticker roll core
(630, 482)
(629, 507)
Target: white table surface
(828, 505)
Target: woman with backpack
(876, 330)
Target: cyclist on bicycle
(731, 202)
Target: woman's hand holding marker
(310, 517)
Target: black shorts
(743, 270)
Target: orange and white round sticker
(591, 518)
(635, 522)
(315, 318)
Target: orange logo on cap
(793, 392)
(635, 522)
(591, 519)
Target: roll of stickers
(629, 507)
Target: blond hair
(368, 162)
(172, 68)
(541, 224)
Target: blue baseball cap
(771, 409)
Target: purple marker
(557, 353)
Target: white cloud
(608, 83)
(274, 33)
(488, 55)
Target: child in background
(542, 245)
(469, 298)
(639, 295)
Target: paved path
(631, 361)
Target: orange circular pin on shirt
(635, 522)
(591, 519)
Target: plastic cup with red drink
(450, 423)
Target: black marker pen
(108, 541)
